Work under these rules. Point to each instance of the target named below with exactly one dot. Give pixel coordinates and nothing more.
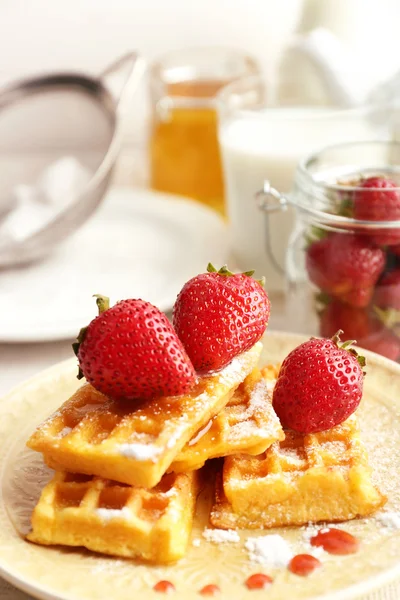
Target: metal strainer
(54, 120)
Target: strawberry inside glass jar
(343, 259)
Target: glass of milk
(260, 141)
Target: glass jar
(343, 258)
(184, 150)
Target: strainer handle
(133, 66)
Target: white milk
(268, 145)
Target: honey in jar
(184, 151)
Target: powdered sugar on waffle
(291, 455)
(107, 514)
(139, 451)
(258, 400)
(270, 383)
(177, 434)
(230, 374)
(64, 431)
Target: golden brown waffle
(96, 435)
(113, 518)
(247, 424)
(305, 478)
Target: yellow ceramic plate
(75, 574)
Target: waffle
(113, 518)
(305, 478)
(247, 424)
(96, 435)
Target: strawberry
(359, 324)
(346, 266)
(378, 199)
(131, 351)
(359, 298)
(356, 323)
(395, 250)
(219, 315)
(387, 292)
(319, 385)
(316, 264)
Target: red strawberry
(361, 325)
(359, 298)
(346, 266)
(356, 323)
(131, 351)
(387, 292)
(395, 250)
(378, 199)
(316, 264)
(219, 315)
(319, 385)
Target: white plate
(139, 244)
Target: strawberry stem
(345, 346)
(103, 302)
(336, 338)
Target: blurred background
(43, 36)
(126, 177)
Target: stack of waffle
(127, 476)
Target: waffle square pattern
(96, 435)
(304, 478)
(247, 424)
(117, 519)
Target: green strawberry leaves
(225, 272)
(103, 304)
(345, 346)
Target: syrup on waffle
(96, 435)
(247, 424)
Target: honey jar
(184, 151)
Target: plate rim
(357, 590)
(176, 201)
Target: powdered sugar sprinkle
(271, 550)
(139, 451)
(107, 514)
(389, 520)
(221, 536)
